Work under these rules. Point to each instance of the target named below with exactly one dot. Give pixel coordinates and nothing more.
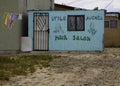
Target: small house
(75, 30)
(112, 29)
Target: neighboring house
(13, 21)
(64, 7)
(112, 29)
(67, 30)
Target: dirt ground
(76, 69)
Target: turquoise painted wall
(91, 39)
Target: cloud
(116, 4)
(109, 5)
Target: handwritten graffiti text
(74, 38)
(83, 38)
(59, 18)
(94, 18)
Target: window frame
(115, 25)
(106, 25)
(109, 24)
(75, 27)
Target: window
(111, 24)
(76, 23)
(106, 24)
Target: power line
(109, 4)
(72, 2)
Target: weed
(4, 75)
(106, 56)
(22, 64)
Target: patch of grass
(4, 75)
(22, 64)
(106, 56)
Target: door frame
(40, 14)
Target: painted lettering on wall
(83, 38)
(58, 18)
(74, 38)
(98, 17)
(60, 37)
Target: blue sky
(110, 5)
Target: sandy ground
(76, 69)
